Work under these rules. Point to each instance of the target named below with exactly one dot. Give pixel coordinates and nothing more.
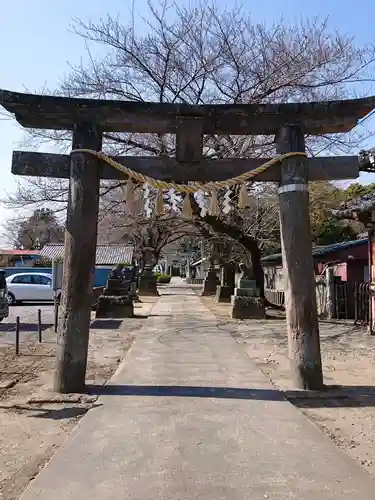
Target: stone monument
(211, 280)
(225, 290)
(148, 282)
(116, 300)
(246, 301)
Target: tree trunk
(149, 258)
(247, 242)
(257, 266)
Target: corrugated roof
(321, 250)
(105, 254)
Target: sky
(38, 45)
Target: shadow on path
(24, 327)
(332, 397)
(49, 413)
(106, 324)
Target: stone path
(188, 416)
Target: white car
(29, 287)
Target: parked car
(29, 287)
(4, 306)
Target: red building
(349, 260)
(353, 262)
(363, 209)
(18, 258)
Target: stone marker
(210, 283)
(246, 301)
(225, 290)
(116, 300)
(148, 282)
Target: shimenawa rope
(192, 187)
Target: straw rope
(193, 186)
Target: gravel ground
(346, 412)
(34, 421)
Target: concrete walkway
(188, 416)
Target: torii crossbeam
(88, 119)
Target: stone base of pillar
(244, 283)
(115, 306)
(209, 287)
(224, 293)
(247, 307)
(148, 283)
(246, 292)
(148, 286)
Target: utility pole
(296, 240)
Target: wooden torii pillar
(90, 118)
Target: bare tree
(206, 55)
(154, 232)
(154, 235)
(35, 231)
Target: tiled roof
(105, 254)
(320, 250)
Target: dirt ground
(34, 421)
(346, 411)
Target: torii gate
(89, 118)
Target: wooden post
(17, 335)
(55, 314)
(40, 325)
(371, 270)
(300, 294)
(189, 139)
(330, 287)
(79, 262)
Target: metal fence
(343, 305)
(362, 303)
(351, 301)
(275, 297)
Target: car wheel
(11, 299)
